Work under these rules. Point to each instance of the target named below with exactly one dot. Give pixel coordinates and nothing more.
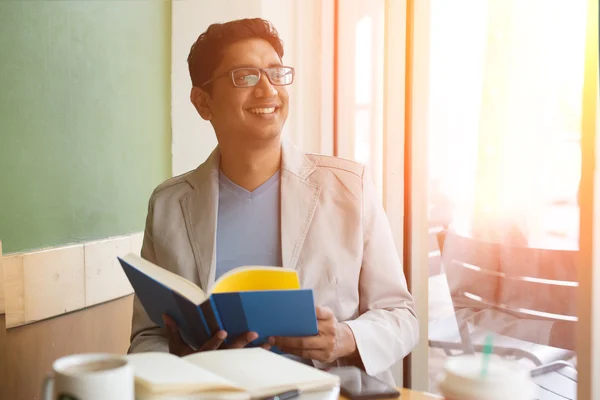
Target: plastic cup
(505, 379)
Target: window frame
(588, 327)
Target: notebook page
(262, 372)
(199, 396)
(166, 373)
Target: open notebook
(248, 373)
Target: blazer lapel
(200, 209)
(299, 199)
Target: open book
(224, 374)
(265, 300)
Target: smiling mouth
(264, 110)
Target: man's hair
(207, 51)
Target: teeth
(262, 110)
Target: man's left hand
(334, 340)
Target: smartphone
(355, 384)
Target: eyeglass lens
(244, 77)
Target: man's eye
(248, 79)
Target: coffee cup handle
(47, 387)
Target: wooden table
(407, 394)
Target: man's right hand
(180, 348)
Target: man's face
(245, 114)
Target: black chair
(526, 284)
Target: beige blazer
(334, 232)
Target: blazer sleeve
(387, 327)
(145, 334)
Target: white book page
(177, 283)
(262, 372)
(157, 373)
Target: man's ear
(199, 99)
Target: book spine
(204, 323)
(233, 315)
(211, 316)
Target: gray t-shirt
(248, 225)
(249, 228)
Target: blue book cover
(257, 306)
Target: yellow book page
(246, 279)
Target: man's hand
(180, 348)
(334, 340)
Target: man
(259, 200)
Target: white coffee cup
(462, 379)
(94, 376)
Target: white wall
(306, 48)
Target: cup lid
(505, 379)
(498, 369)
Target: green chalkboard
(84, 118)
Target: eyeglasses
(247, 77)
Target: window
(487, 124)
(360, 83)
(504, 166)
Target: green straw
(487, 351)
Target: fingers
(179, 347)
(172, 332)
(214, 342)
(176, 343)
(269, 344)
(324, 313)
(168, 321)
(310, 342)
(243, 340)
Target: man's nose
(264, 88)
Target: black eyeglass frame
(260, 72)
